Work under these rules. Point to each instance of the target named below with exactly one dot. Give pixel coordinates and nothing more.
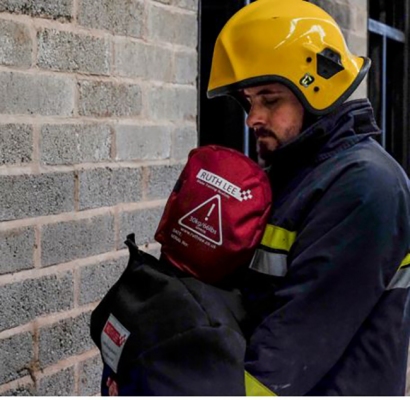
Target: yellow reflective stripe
(405, 262)
(278, 238)
(255, 388)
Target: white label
(205, 220)
(113, 338)
(220, 183)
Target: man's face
(275, 115)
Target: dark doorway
(388, 84)
(221, 120)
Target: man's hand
(112, 387)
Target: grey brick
(162, 179)
(97, 279)
(185, 139)
(72, 144)
(90, 376)
(121, 17)
(36, 94)
(168, 26)
(23, 390)
(143, 142)
(16, 143)
(186, 67)
(357, 44)
(59, 384)
(66, 241)
(15, 44)
(141, 60)
(25, 196)
(64, 339)
(172, 103)
(168, 2)
(342, 13)
(16, 249)
(188, 4)
(66, 51)
(143, 223)
(107, 187)
(16, 356)
(31, 298)
(359, 21)
(56, 9)
(106, 99)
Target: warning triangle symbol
(205, 220)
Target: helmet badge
(307, 80)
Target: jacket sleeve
(205, 361)
(343, 258)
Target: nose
(256, 117)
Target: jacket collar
(337, 131)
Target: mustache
(263, 132)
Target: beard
(266, 143)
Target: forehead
(271, 88)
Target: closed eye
(267, 101)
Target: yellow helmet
(292, 42)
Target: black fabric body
(185, 335)
(332, 325)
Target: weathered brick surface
(186, 67)
(162, 179)
(172, 103)
(136, 142)
(66, 51)
(357, 44)
(64, 339)
(166, 25)
(185, 139)
(36, 94)
(143, 223)
(90, 376)
(121, 17)
(16, 144)
(16, 249)
(110, 83)
(31, 298)
(72, 144)
(16, 356)
(21, 390)
(134, 59)
(15, 44)
(106, 187)
(58, 384)
(33, 195)
(97, 279)
(66, 241)
(188, 4)
(56, 9)
(106, 99)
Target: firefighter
(328, 289)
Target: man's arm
(339, 266)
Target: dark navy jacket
(328, 291)
(179, 336)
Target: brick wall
(98, 112)
(351, 15)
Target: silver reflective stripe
(401, 280)
(269, 263)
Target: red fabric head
(216, 214)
